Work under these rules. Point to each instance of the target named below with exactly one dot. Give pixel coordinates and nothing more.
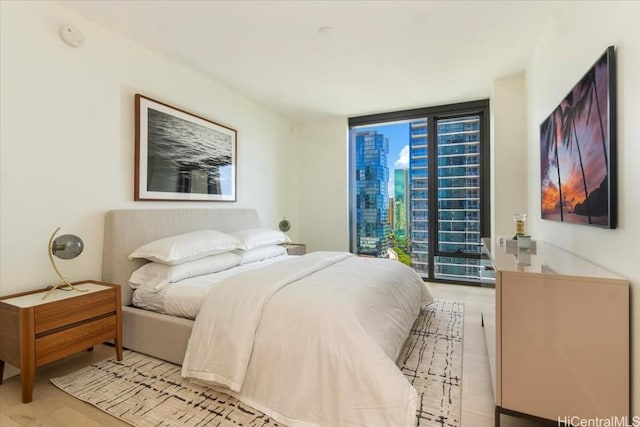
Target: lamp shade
(67, 246)
(284, 225)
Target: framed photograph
(181, 156)
(578, 151)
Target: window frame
(432, 115)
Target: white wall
(508, 153)
(324, 163)
(577, 35)
(67, 138)
(323, 184)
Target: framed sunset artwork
(578, 151)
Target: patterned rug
(144, 391)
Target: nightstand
(38, 331)
(295, 248)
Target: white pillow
(154, 276)
(262, 253)
(186, 247)
(257, 237)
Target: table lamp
(66, 246)
(284, 225)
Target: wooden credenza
(561, 335)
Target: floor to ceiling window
(419, 188)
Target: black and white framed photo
(181, 156)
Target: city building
(391, 213)
(458, 198)
(458, 187)
(372, 195)
(419, 192)
(401, 212)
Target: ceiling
(310, 59)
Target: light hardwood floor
(477, 391)
(54, 408)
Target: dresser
(560, 334)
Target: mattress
(184, 298)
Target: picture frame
(180, 156)
(578, 176)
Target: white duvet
(312, 341)
(184, 298)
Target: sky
(398, 135)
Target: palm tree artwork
(549, 131)
(575, 153)
(570, 115)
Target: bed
(301, 365)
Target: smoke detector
(71, 36)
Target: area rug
(144, 391)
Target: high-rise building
(419, 195)
(458, 197)
(401, 212)
(372, 195)
(458, 189)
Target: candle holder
(520, 219)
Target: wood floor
(477, 391)
(54, 408)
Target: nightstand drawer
(60, 344)
(52, 316)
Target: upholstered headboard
(127, 229)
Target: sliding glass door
(419, 188)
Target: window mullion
(433, 192)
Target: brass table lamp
(66, 246)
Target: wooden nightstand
(295, 248)
(38, 331)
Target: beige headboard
(127, 229)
